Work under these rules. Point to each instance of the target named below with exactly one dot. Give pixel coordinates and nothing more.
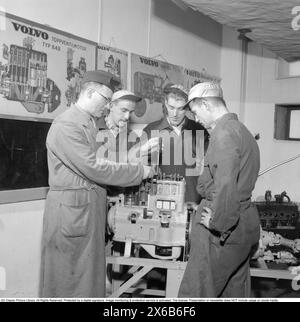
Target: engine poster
(150, 76)
(113, 60)
(148, 79)
(40, 69)
(193, 77)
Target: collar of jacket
(223, 119)
(165, 125)
(83, 117)
(101, 125)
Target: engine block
(153, 215)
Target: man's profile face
(176, 110)
(120, 112)
(100, 104)
(202, 113)
(99, 99)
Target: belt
(245, 200)
(92, 187)
(241, 201)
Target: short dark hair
(178, 95)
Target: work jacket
(230, 172)
(73, 256)
(184, 151)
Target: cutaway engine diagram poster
(148, 79)
(40, 68)
(113, 60)
(192, 77)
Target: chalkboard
(23, 154)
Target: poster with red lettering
(40, 69)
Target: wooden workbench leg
(135, 278)
(174, 277)
(116, 272)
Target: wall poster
(148, 79)
(192, 77)
(113, 60)
(40, 69)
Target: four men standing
(225, 227)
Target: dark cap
(102, 77)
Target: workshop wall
(263, 91)
(77, 17)
(20, 240)
(231, 60)
(141, 26)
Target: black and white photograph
(149, 152)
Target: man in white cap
(121, 144)
(226, 225)
(73, 243)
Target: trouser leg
(239, 283)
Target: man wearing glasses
(73, 243)
(181, 148)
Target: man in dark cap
(226, 225)
(179, 136)
(73, 244)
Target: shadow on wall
(208, 29)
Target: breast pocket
(75, 213)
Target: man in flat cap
(73, 243)
(180, 153)
(226, 225)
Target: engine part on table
(280, 198)
(153, 215)
(269, 239)
(280, 217)
(268, 196)
(282, 257)
(268, 244)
